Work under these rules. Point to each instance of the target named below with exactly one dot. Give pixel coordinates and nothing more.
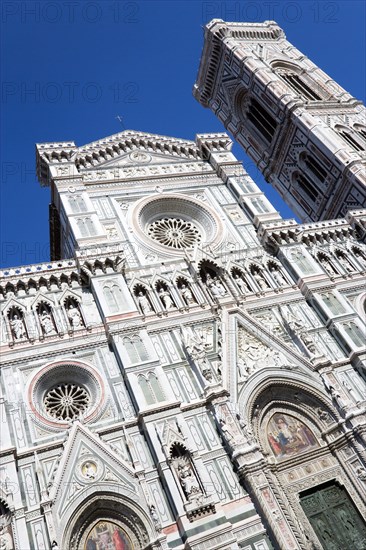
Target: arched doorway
(106, 521)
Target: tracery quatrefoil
(174, 232)
(66, 401)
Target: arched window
(348, 135)
(151, 388)
(90, 226)
(306, 186)
(261, 120)
(136, 349)
(361, 132)
(114, 297)
(77, 204)
(155, 386)
(355, 334)
(259, 205)
(86, 227)
(299, 86)
(81, 226)
(333, 304)
(314, 167)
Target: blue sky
(69, 68)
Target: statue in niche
(166, 299)
(215, 286)
(188, 480)
(327, 264)
(242, 285)
(186, 294)
(17, 327)
(276, 273)
(360, 256)
(74, 316)
(230, 431)
(46, 322)
(344, 261)
(259, 279)
(144, 303)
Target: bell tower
(306, 134)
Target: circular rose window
(67, 401)
(174, 232)
(65, 391)
(175, 222)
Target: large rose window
(67, 401)
(174, 222)
(174, 232)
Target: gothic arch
(109, 508)
(295, 390)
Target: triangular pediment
(89, 464)
(253, 347)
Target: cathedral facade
(188, 371)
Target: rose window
(66, 401)
(174, 232)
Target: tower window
(350, 139)
(362, 133)
(314, 166)
(307, 187)
(300, 87)
(262, 120)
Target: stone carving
(188, 479)
(215, 286)
(74, 317)
(17, 327)
(253, 354)
(166, 299)
(360, 256)
(338, 398)
(187, 295)
(344, 261)
(241, 283)
(155, 518)
(296, 326)
(46, 321)
(6, 536)
(323, 415)
(197, 349)
(327, 264)
(361, 473)
(230, 431)
(259, 278)
(278, 276)
(144, 302)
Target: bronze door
(334, 518)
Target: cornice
(97, 153)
